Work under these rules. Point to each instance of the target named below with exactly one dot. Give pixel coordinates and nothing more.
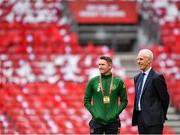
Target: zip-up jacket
(93, 99)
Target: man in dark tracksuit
(104, 90)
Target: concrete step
(177, 130)
(173, 123)
(131, 74)
(128, 61)
(171, 109)
(127, 56)
(173, 116)
(173, 119)
(131, 69)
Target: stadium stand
(44, 71)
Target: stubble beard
(106, 72)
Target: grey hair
(148, 53)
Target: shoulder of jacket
(118, 79)
(94, 78)
(136, 76)
(157, 74)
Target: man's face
(143, 62)
(104, 67)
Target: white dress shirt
(144, 80)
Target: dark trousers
(146, 129)
(111, 128)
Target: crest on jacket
(99, 88)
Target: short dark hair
(106, 58)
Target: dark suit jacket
(154, 99)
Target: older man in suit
(151, 96)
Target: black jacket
(154, 99)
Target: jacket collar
(149, 77)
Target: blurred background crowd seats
(44, 68)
